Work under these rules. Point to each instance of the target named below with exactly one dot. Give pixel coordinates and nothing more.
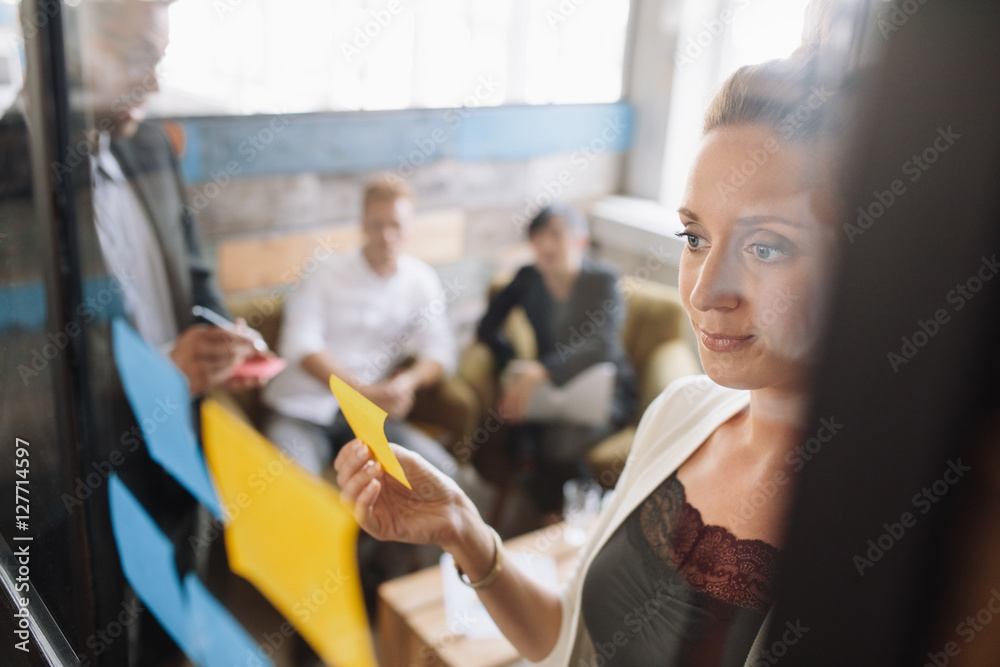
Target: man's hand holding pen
(208, 354)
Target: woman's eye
(692, 240)
(765, 252)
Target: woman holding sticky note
(676, 572)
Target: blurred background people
(375, 318)
(581, 387)
(370, 319)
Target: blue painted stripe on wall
(23, 306)
(337, 143)
(190, 161)
(520, 133)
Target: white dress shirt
(131, 249)
(367, 323)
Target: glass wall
(60, 424)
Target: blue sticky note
(221, 640)
(160, 400)
(201, 627)
(147, 558)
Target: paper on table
(291, 537)
(367, 420)
(160, 400)
(200, 626)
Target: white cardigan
(674, 426)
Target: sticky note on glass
(291, 537)
(147, 559)
(367, 420)
(161, 402)
(201, 627)
(216, 635)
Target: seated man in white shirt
(359, 317)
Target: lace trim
(713, 561)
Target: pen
(218, 320)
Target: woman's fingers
(364, 508)
(352, 488)
(349, 460)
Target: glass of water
(581, 504)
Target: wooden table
(412, 627)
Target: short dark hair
(573, 218)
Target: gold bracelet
(494, 572)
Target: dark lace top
(666, 589)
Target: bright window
(258, 56)
(716, 39)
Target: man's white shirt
(131, 249)
(367, 323)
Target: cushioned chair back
(655, 316)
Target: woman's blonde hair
(784, 95)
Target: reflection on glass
(35, 344)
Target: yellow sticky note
(288, 533)
(367, 420)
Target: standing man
(147, 233)
(148, 241)
(370, 319)
(145, 226)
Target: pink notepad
(263, 369)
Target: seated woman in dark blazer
(581, 388)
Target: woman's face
(758, 254)
(556, 246)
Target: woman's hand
(517, 395)
(435, 511)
